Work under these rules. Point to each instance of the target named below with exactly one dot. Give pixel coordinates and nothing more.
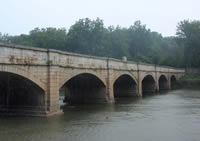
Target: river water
(172, 116)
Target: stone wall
(52, 69)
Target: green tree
(189, 33)
(139, 41)
(86, 36)
(4, 38)
(44, 38)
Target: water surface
(172, 116)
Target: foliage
(190, 77)
(86, 37)
(4, 38)
(137, 42)
(43, 38)
(189, 33)
(190, 81)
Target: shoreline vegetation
(189, 81)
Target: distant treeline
(137, 43)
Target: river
(171, 116)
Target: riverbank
(190, 81)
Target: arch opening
(19, 95)
(125, 86)
(173, 82)
(148, 85)
(83, 88)
(163, 83)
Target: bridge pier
(109, 84)
(169, 82)
(140, 89)
(110, 95)
(52, 93)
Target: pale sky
(21, 16)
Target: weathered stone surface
(50, 70)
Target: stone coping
(82, 55)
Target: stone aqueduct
(32, 78)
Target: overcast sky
(21, 16)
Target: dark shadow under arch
(19, 94)
(163, 83)
(148, 85)
(125, 86)
(173, 82)
(84, 88)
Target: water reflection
(172, 115)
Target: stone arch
(163, 74)
(75, 73)
(173, 75)
(125, 73)
(148, 74)
(19, 94)
(148, 84)
(173, 80)
(84, 88)
(22, 72)
(163, 82)
(125, 86)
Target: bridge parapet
(22, 55)
(12, 54)
(122, 65)
(78, 61)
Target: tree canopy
(137, 42)
(189, 34)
